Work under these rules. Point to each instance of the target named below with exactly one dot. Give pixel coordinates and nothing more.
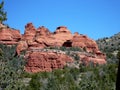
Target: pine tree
(3, 14)
(118, 74)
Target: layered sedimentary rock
(41, 38)
(46, 61)
(30, 32)
(83, 41)
(9, 36)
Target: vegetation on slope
(110, 46)
(11, 68)
(13, 77)
(3, 14)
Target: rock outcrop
(30, 32)
(22, 45)
(83, 41)
(46, 61)
(41, 38)
(9, 36)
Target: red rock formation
(45, 61)
(22, 45)
(43, 37)
(83, 41)
(95, 59)
(9, 36)
(42, 31)
(62, 29)
(30, 32)
(36, 39)
(61, 35)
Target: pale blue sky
(95, 18)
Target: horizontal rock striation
(36, 39)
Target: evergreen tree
(3, 14)
(118, 74)
(11, 69)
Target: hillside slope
(110, 46)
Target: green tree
(118, 73)
(11, 69)
(3, 14)
(34, 84)
(118, 55)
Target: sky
(94, 18)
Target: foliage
(118, 55)
(3, 14)
(110, 46)
(76, 57)
(34, 84)
(118, 72)
(11, 68)
(101, 77)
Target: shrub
(11, 68)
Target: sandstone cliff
(35, 41)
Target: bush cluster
(100, 77)
(11, 68)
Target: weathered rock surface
(46, 61)
(30, 32)
(40, 38)
(83, 41)
(57, 38)
(22, 45)
(96, 59)
(9, 36)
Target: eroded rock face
(96, 59)
(39, 39)
(9, 36)
(83, 41)
(42, 31)
(56, 39)
(61, 35)
(45, 61)
(62, 29)
(30, 32)
(22, 45)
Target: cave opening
(68, 43)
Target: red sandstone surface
(9, 36)
(40, 38)
(46, 61)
